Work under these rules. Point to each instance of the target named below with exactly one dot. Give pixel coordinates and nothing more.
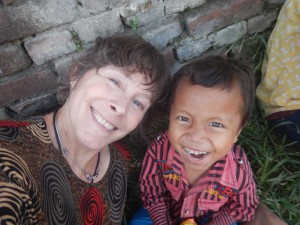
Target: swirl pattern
(117, 185)
(19, 203)
(58, 201)
(9, 133)
(91, 207)
(40, 131)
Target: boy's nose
(198, 133)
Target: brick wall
(39, 39)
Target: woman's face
(107, 104)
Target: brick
(175, 6)
(191, 47)
(262, 22)
(49, 45)
(90, 28)
(7, 2)
(39, 105)
(230, 34)
(31, 82)
(3, 115)
(63, 67)
(89, 7)
(161, 34)
(142, 12)
(275, 1)
(32, 17)
(217, 14)
(12, 59)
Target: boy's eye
(183, 118)
(216, 124)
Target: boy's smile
(204, 124)
(195, 154)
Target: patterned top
(37, 186)
(226, 193)
(280, 87)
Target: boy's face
(204, 124)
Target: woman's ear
(72, 84)
(73, 78)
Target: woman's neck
(77, 156)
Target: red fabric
(123, 149)
(92, 208)
(9, 123)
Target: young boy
(194, 171)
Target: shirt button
(186, 211)
(240, 161)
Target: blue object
(142, 217)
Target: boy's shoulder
(241, 160)
(160, 146)
(161, 138)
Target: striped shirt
(227, 192)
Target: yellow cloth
(279, 89)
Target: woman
(68, 166)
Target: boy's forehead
(186, 91)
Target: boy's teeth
(190, 151)
(102, 121)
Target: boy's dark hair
(219, 72)
(133, 54)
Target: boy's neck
(193, 175)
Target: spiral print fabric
(19, 194)
(92, 208)
(57, 202)
(8, 133)
(117, 185)
(35, 187)
(40, 131)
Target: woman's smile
(101, 120)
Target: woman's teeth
(102, 121)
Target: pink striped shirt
(227, 192)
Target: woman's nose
(119, 106)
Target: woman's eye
(138, 104)
(183, 118)
(216, 124)
(114, 81)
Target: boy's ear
(237, 135)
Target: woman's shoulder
(18, 167)
(122, 148)
(28, 139)
(11, 130)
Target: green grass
(276, 165)
(274, 160)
